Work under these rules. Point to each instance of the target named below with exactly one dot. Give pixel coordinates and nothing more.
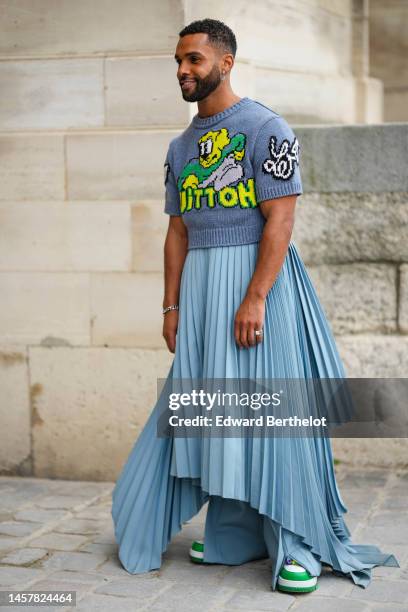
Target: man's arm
(175, 251)
(280, 217)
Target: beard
(204, 86)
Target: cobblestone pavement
(58, 535)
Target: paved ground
(58, 535)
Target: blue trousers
(236, 533)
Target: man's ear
(227, 62)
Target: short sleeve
(276, 161)
(172, 196)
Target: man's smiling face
(198, 66)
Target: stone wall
(81, 289)
(91, 103)
(351, 230)
(389, 53)
(297, 56)
(93, 64)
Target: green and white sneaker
(197, 551)
(293, 578)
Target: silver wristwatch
(172, 307)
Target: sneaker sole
(297, 586)
(295, 590)
(196, 556)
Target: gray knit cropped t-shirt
(221, 167)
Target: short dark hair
(218, 33)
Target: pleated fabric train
(289, 482)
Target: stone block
(318, 93)
(144, 92)
(58, 307)
(184, 572)
(15, 444)
(357, 297)
(55, 28)
(349, 227)
(374, 355)
(32, 167)
(263, 35)
(386, 452)
(390, 535)
(149, 227)
(369, 100)
(248, 599)
(108, 549)
(44, 94)
(106, 533)
(189, 598)
(127, 309)
(242, 577)
(360, 483)
(113, 567)
(331, 604)
(15, 496)
(12, 577)
(384, 591)
(58, 541)
(17, 528)
(66, 502)
(98, 411)
(337, 7)
(7, 544)
(116, 166)
(396, 103)
(96, 512)
(105, 603)
(77, 562)
(79, 526)
(354, 158)
(62, 236)
(24, 556)
(142, 588)
(403, 299)
(385, 519)
(81, 576)
(38, 516)
(388, 42)
(49, 584)
(71, 490)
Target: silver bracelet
(172, 307)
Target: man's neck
(216, 103)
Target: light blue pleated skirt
(284, 489)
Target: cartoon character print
(217, 162)
(281, 164)
(216, 176)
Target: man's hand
(249, 317)
(170, 325)
(273, 247)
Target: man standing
(238, 304)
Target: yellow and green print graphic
(216, 177)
